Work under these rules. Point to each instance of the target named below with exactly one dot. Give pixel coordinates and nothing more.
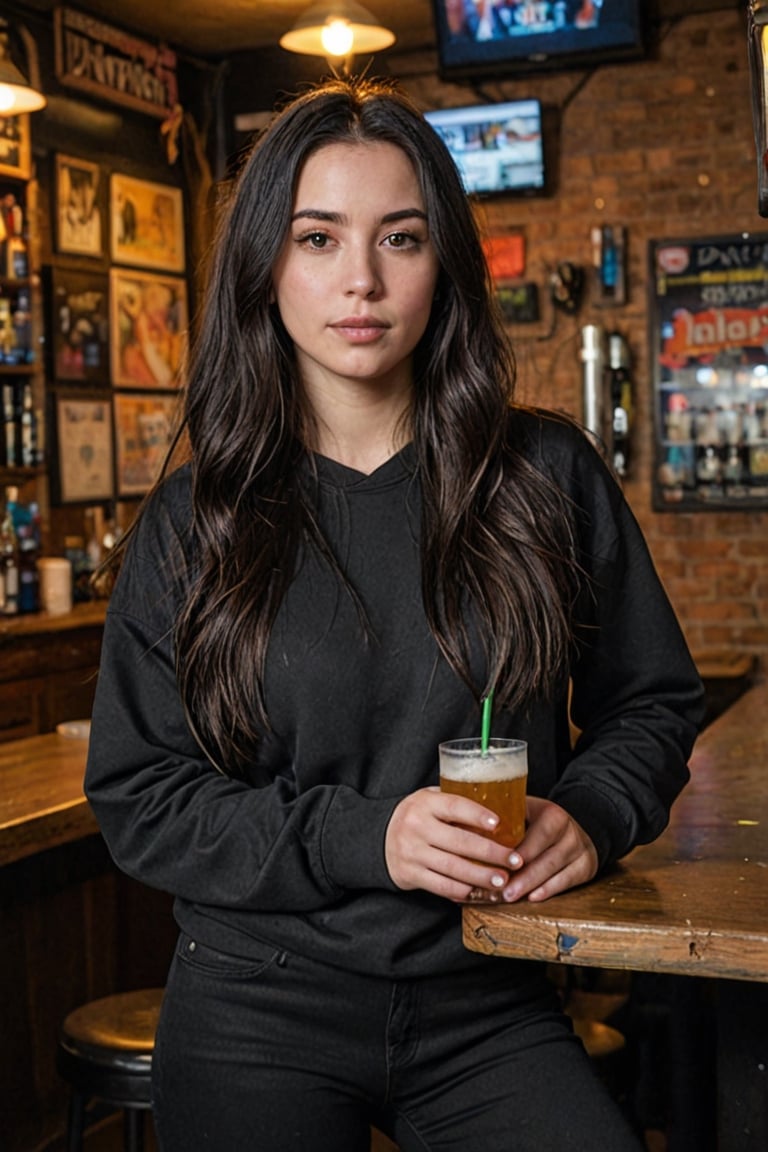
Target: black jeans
(288, 1055)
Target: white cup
(55, 574)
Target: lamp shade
(341, 29)
(16, 94)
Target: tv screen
(501, 37)
(497, 148)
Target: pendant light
(338, 30)
(16, 95)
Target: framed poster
(78, 192)
(146, 223)
(505, 256)
(78, 341)
(144, 424)
(148, 328)
(15, 154)
(709, 358)
(85, 470)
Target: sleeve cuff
(608, 826)
(352, 846)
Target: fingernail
(514, 860)
(498, 881)
(509, 895)
(491, 821)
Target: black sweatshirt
(294, 856)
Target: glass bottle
(9, 563)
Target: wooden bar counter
(48, 667)
(693, 903)
(72, 928)
(42, 803)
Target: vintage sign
(114, 65)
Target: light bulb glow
(7, 98)
(337, 37)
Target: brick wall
(665, 147)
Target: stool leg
(133, 1129)
(76, 1122)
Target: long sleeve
(169, 817)
(636, 695)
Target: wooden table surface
(42, 803)
(695, 902)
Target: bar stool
(105, 1055)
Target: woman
(366, 540)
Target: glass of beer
(495, 777)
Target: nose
(361, 272)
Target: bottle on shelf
(620, 396)
(7, 339)
(8, 444)
(21, 322)
(9, 562)
(26, 522)
(18, 400)
(16, 262)
(29, 432)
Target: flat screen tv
(477, 38)
(497, 148)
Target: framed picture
(15, 155)
(148, 328)
(146, 223)
(505, 256)
(78, 341)
(85, 470)
(79, 207)
(144, 424)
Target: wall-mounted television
(477, 38)
(497, 148)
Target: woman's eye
(313, 239)
(401, 240)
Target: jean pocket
(214, 962)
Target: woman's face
(356, 278)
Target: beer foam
(495, 764)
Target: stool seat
(599, 1040)
(105, 1052)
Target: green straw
(485, 727)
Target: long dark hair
(496, 534)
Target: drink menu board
(709, 345)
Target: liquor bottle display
(711, 372)
(21, 434)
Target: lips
(360, 329)
(359, 322)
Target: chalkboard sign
(709, 345)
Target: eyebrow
(339, 218)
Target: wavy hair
(497, 538)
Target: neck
(361, 432)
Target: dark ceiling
(214, 28)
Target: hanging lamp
(16, 94)
(340, 29)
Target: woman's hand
(555, 854)
(434, 841)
